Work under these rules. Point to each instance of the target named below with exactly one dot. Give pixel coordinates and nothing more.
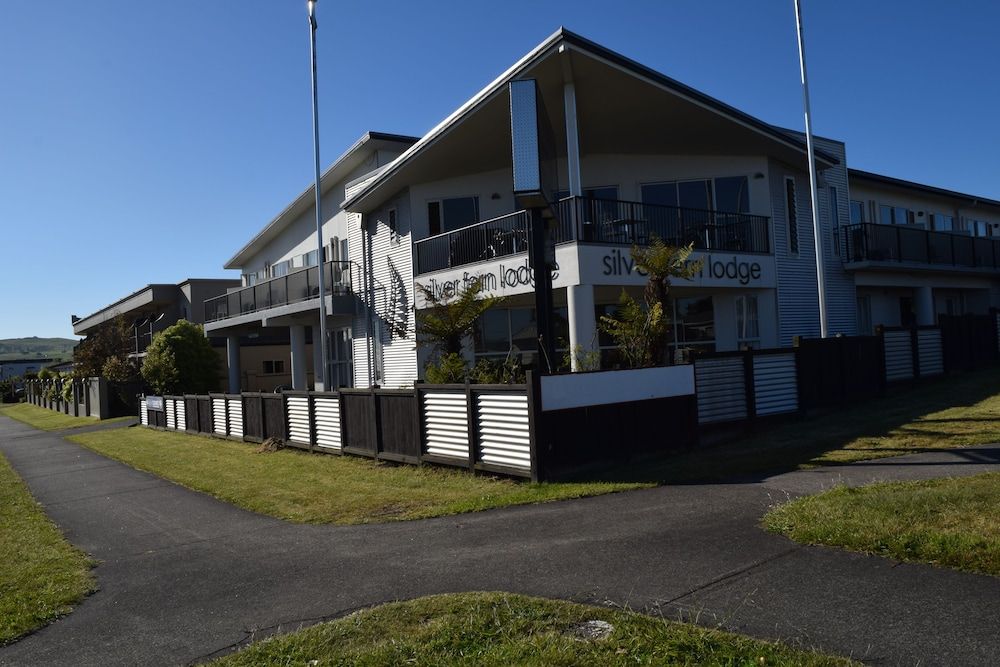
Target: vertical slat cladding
(775, 384)
(168, 406)
(721, 389)
(326, 415)
(898, 355)
(504, 438)
(219, 415)
(181, 415)
(446, 418)
(143, 414)
(931, 351)
(298, 419)
(235, 417)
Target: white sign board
(577, 390)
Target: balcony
(295, 287)
(600, 221)
(901, 244)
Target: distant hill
(34, 347)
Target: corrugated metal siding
(841, 293)
(359, 325)
(235, 417)
(391, 265)
(775, 384)
(721, 389)
(446, 424)
(297, 412)
(898, 355)
(219, 415)
(143, 415)
(798, 304)
(168, 405)
(931, 352)
(181, 415)
(326, 413)
(502, 420)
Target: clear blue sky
(147, 141)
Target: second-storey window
(791, 212)
(835, 221)
(445, 215)
(392, 221)
(895, 215)
(857, 212)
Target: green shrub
(180, 359)
(450, 368)
(495, 371)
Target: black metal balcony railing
(597, 221)
(869, 242)
(300, 285)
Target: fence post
(376, 431)
(749, 387)
(311, 414)
(533, 388)
(880, 332)
(470, 425)
(915, 351)
(418, 416)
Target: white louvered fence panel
(931, 352)
(446, 424)
(898, 356)
(219, 416)
(171, 410)
(721, 389)
(326, 414)
(143, 414)
(504, 438)
(775, 384)
(235, 417)
(181, 415)
(298, 419)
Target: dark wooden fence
(969, 340)
(840, 370)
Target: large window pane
(885, 213)
(523, 329)
(695, 320)
(460, 212)
(731, 194)
(660, 194)
(857, 212)
(695, 194)
(492, 335)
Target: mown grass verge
(316, 488)
(503, 629)
(41, 575)
(946, 522)
(50, 420)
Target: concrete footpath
(183, 577)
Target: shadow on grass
(888, 426)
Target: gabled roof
(928, 189)
(351, 158)
(559, 40)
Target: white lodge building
(639, 155)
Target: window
(792, 214)
(976, 227)
(272, 367)
(895, 215)
(690, 326)
(513, 331)
(310, 258)
(857, 212)
(942, 223)
(446, 215)
(342, 366)
(281, 268)
(732, 194)
(835, 221)
(747, 327)
(391, 220)
(865, 316)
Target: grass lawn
(950, 412)
(50, 420)
(948, 522)
(502, 629)
(41, 574)
(318, 488)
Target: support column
(923, 305)
(297, 336)
(317, 334)
(572, 141)
(582, 321)
(233, 359)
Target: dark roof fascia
(307, 194)
(25, 361)
(910, 185)
(564, 35)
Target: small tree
(445, 322)
(639, 329)
(108, 348)
(180, 358)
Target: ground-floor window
(747, 324)
(514, 331)
(690, 329)
(273, 367)
(865, 315)
(341, 352)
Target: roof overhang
(139, 302)
(661, 116)
(350, 160)
(897, 183)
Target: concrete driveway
(183, 577)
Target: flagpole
(810, 150)
(320, 374)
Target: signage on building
(607, 265)
(154, 403)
